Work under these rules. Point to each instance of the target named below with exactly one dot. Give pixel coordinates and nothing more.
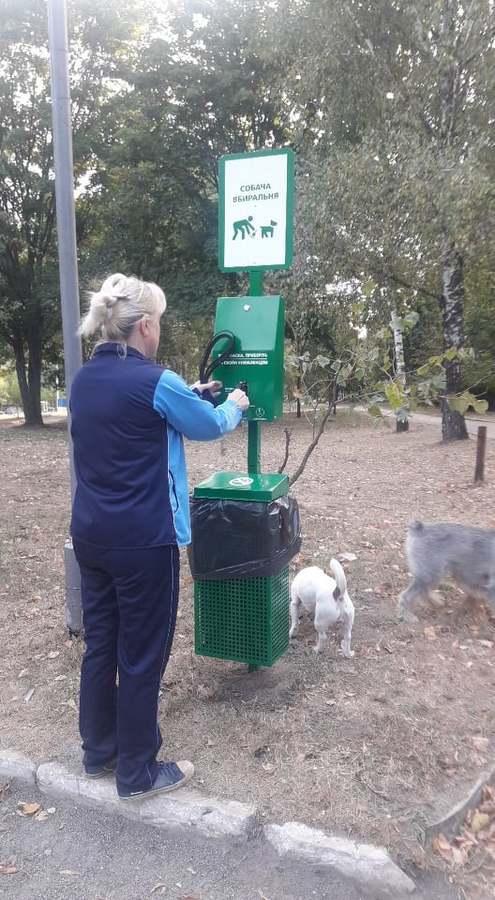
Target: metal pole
(67, 254)
(254, 427)
(479, 471)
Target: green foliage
(10, 394)
(29, 306)
(389, 106)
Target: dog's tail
(339, 575)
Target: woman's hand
(240, 398)
(213, 387)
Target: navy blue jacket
(128, 418)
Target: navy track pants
(129, 601)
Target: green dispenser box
(257, 324)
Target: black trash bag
(242, 538)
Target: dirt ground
(363, 746)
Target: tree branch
(288, 435)
(314, 443)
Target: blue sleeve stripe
(189, 414)
(178, 488)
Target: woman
(130, 515)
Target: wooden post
(479, 471)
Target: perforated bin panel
(245, 619)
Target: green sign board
(256, 200)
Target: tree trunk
(298, 401)
(452, 306)
(401, 425)
(334, 397)
(29, 380)
(34, 378)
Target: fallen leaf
(430, 633)
(442, 846)
(68, 872)
(7, 869)
(459, 856)
(53, 654)
(347, 557)
(42, 816)
(467, 839)
(28, 809)
(480, 743)
(487, 806)
(23, 673)
(158, 887)
(488, 644)
(29, 694)
(487, 834)
(72, 704)
(268, 768)
(479, 821)
(204, 692)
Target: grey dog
(436, 552)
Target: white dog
(327, 599)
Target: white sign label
(255, 211)
(241, 481)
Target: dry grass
(362, 746)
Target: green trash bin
(244, 619)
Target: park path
(472, 422)
(86, 854)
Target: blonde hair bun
(119, 304)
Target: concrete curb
(453, 815)
(182, 810)
(188, 810)
(365, 864)
(16, 765)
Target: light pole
(67, 255)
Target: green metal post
(256, 284)
(254, 447)
(254, 428)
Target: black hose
(205, 368)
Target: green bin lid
(243, 486)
